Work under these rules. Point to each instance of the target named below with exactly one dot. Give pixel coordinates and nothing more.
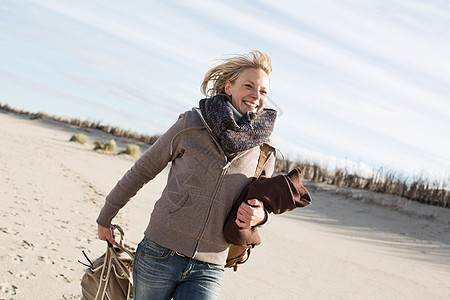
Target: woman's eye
(263, 93)
(248, 85)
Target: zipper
(218, 183)
(226, 166)
(211, 203)
(213, 200)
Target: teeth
(250, 104)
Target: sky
(360, 85)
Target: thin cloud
(363, 80)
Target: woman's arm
(150, 164)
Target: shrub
(99, 145)
(132, 149)
(109, 146)
(80, 138)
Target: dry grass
(80, 138)
(132, 150)
(109, 146)
(85, 124)
(417, 189)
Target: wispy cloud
(362, 81)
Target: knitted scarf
(251, 130)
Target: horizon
(363, 86)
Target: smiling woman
(214, 151)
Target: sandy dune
(347, 245)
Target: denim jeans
(161, 273)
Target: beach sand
(349, 244)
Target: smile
(251, 104)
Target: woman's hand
(105, 233)
(251, 214)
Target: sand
(349, 244)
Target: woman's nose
(255, 95)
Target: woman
(213, 152)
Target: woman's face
(249, 91)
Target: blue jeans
(160, 273)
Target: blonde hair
(231, 68)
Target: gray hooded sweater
(201, 189)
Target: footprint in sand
(46, 259)
(8, 231)
(16, 257)
(76, 212)
(51, 246)
(8, 289)
(27, 245)
(23, 274)
(20, 224)
(50, 212)
(54, 243)
(25, 210)
(70, 296)
(45, 235)
(94, 194)
(64, 277)
(65, 259)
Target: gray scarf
(251, 130)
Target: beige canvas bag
(109, 276)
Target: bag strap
(111, 254)
(122, 233)
(104, 276)
(263, 155)
(122, 266)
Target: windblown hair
(231, 68)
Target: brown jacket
(279, 194)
